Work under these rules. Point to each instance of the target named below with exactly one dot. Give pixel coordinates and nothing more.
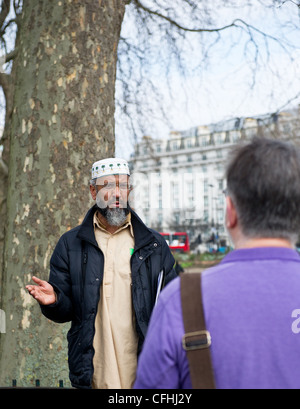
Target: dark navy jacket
(76, 273)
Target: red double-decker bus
(178, 241)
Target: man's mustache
(111, 204)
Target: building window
(221, 199)
(176, 218)
(220, 216)
(175, 195)
(235, 136)
(159, 190)
(189, 143)
(218, 138)
(205, 185)
(175, 146)
(205, 215)
(190, 193)
(204, 140)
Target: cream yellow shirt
(115, 340)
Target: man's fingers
(30, 287)
(35, 292)
(37, 280)
(43, 292)
(32, 291)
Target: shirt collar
(261, 253)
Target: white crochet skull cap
(110, 166)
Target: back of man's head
(263, 180)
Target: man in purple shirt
(251, 299)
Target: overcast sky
(223, 88)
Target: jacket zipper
(84, 263)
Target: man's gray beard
(115, 217)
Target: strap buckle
(196, 340)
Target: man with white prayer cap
(105, 275)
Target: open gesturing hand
(43, 292)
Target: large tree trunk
(62, 121)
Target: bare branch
(179, 41)
(237, 23)
(290, 1)
(181, 27)
(295, 98)
(4, 81)
(3, 167)
(6, 84)
(10, 56)
(4, 11)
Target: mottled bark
(62, 121)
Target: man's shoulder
(69, 234)
(139, 225)
(68, 239)
(75, 231)
(157, 235)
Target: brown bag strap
(196, 340)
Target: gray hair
(263, 180)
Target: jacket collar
(86, 229)
(142, 234)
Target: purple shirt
(248, 299)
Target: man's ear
(93, 191)
(231, 213)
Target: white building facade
(179, 182)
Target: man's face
(112, 191)
(111, 195)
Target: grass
(188, 260)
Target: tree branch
(287, 103)
(6, 84)
(10, 56)
(4, 11)
(237, 23)
(179, 26)
(4, 81)
(174, 25)
(3, 167)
